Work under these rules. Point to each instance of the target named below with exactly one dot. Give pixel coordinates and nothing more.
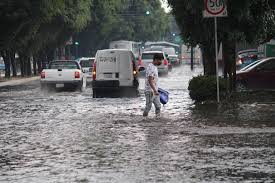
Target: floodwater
(70, 137)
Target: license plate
(59, 85)
(109, 75)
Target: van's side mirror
(141, 69)
(83, 70)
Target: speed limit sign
(215, 8)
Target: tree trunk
(39, 63)
(22, 65)
(28, 66)
(13, 64)
(230, 63)
(34, 64)
(209, 60)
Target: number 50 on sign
(215, 8)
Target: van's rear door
(107, 65)
(126, 68)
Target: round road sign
(214, 7)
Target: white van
(115, 71)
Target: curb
(18, 81)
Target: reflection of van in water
(115, 71)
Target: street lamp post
(76, 49)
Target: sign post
(215, 8)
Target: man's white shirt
(151, 70)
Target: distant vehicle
(115, 71)
(133, 46)
(63, 74)
(2, 64)
(169, 50)
(246, 57)
(87, 66)
(147, 58)
(186, 55)
(170, 66)
(259, 76)
(174, 59)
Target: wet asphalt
(67, 136)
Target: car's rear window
(63, 65)
(148, 56)
(87, 63)
(247, 54)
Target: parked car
(147, 58)
(115, 72)
(170, 66)
(249, 65)
(245, 57)
(63, 74)
(174, 59)
(259, 76)
(2, 64)
(87, 65)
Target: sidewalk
(17, 81)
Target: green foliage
(122, 20)
(202, 88)
(31, 25)
(247, 20)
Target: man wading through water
(151, 86)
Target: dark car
(260, 76)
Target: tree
(122, 20)
(251, 21)
(33, 25)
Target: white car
(147, 58)
(63, 74)
(115, 72)
(86, 64)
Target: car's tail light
(139, 62)
(165, 62)
(43, 75)
(76, 74)
(94, 71)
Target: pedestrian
(151, 86)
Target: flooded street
(71, 137)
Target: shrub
(202, 88)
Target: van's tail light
(134, 68)
(43, 75)
(94, 71)
(165, 62)
(76, 74)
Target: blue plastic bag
(163, 95)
